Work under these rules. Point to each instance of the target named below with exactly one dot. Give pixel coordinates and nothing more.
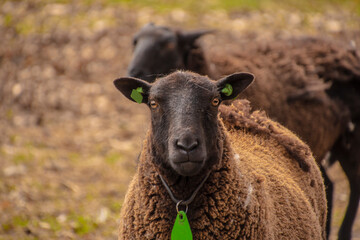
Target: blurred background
(69, 141)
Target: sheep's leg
(351, 166)
(348, 222)
(329, 189)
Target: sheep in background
(255, 180)
(311, 86)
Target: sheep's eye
(215, 102)
(153, 104)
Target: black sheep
(235, 174)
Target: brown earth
(68, 140)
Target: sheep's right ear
(231, 86)
(134, 89)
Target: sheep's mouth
(187, 160)
(188, 168)
(187, 163)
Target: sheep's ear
(189, 37)
(231, 86)
(134, 89)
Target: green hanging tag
(136, 94)
(181, 229)
(227, 90)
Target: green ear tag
(181, 229)
(136, 94)
(227, 90)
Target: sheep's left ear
(231, 86)
(134, 89)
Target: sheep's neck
(183, 187)
(188, 201)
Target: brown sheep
(311, 86)
(253, 179)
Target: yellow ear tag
(181, 229)
(136, 94)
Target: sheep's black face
(184, 121)
(184, 109)
(159, 50)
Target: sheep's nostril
(187, 145)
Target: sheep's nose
(187, 144)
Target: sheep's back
(289, 89)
